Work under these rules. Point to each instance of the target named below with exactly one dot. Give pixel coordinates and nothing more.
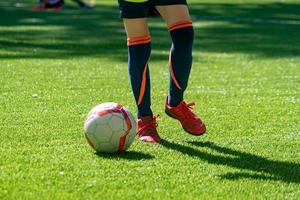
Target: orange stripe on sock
(172, 72)
(143, 85)
(139, 40)
(180, 24)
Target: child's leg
(180, 62)
(139, 49)
(180, 59)
(134, 15)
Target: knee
(182, 33)
(139, 50)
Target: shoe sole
(184, 128)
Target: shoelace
(152, 124)
(187, 109)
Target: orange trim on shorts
(180, 24)
(172, 72)
(143, 85)
(138, 40)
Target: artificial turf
(55, 66)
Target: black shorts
(144, 9)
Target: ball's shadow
(127, 155)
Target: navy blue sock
(139, 50)
(180, 60)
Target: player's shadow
(128, 155)
(261, 168)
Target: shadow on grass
(128, 155)
(263, 168)
(265, 30)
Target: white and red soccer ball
(110, 127)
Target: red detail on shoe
(189, 121)
(146, 129)
(172, 72)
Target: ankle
(173, 102)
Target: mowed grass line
(55, 67)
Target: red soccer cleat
(189, 121)
(146, 129)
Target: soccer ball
(110, 127)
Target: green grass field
(55, 66)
